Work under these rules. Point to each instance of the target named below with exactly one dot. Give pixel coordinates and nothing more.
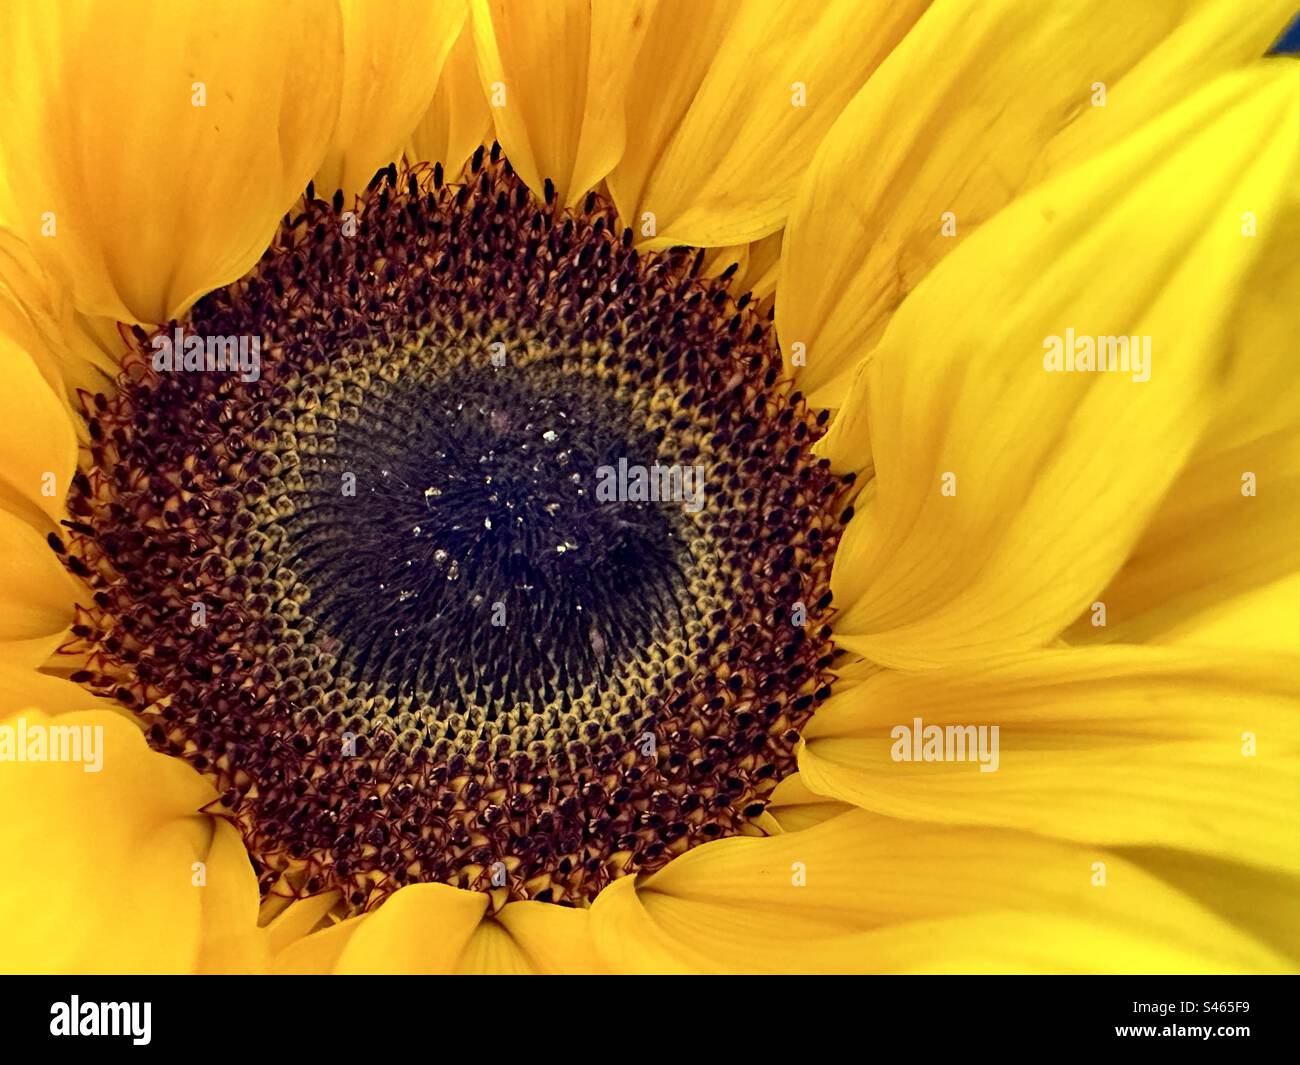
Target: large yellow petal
(869, 894)
(1260, 901)
(151, 148)
(423, 928)
(1211, 38)
(229, 938)
(680, 45)
(979, 102)
(551, 939)
(491, 952)
(98, 869)
(393, 54)
(555, 75)
(1227, 528)
(1167, 747)
(1006, 496)
(1264, 619)
(1208, 543)
(727, 104)
(457, 120)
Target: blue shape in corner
(1289, 42)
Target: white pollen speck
(487, 523)
(550, 436)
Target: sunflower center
(505, 565)
(454, 541)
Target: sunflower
(686, 487)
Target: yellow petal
(152, 148)
(884, 895)
(680, 45)
(38, 445)
(433, 928)
(719, 260)
(491, 952)
(531, 938)
(1261, 901)
(298, 919)
(794, 806)
(1264, 619)
(1168, 747)
(93, 347)
(555, 76)
(1212, 540)
(764, 266)
(552, 939)
(22, 687)
(457, 121)
(1007, 496)
(960, 119)
(393, 54)
(726, 108)
(1210, 38)
(73, 352)
(97, 868)
(36, 317)
(229, 938)
(316, 954)
(423, 928)
(1010, 943)
(37, 595)
(1226, 527)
